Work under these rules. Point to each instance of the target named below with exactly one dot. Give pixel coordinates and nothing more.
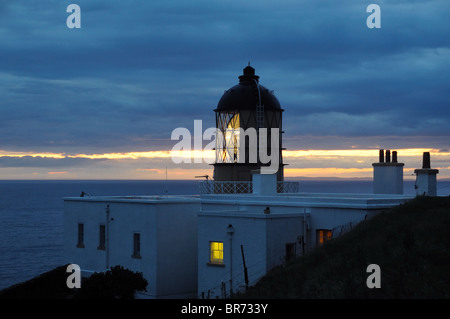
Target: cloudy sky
(101, 101)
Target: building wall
(283, 230)
(177, 250)
(249, 231)
(426, 184)
(168, 241)
(263, 238)
(388, 178)
(125, 220)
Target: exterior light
(230, 229)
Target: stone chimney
(426, 184)
(387, 174)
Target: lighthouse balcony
(242, 187)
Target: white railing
(287, 187)
(215, 187)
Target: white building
(242, 236)
(154, 235)
(195, 246)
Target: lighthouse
(249, 123)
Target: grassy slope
(410, 243)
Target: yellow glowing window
(216, 252)
(232, 138)
(323, 235)
(235, 121)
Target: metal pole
(230, 231)
(107, 236)
(245, 268)
(231, 264)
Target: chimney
(426, 184)
(394, 157)
(387, 175)
(381, 160)
(426, 163)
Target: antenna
(203, 176)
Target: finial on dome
(248, 74)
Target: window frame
(212, 251)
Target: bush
(116, 283)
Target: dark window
(102, 237)
(136, 245)
(290, 251)
(80, 243)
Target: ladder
(259, 109)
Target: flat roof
(149, 199)
(336, 200)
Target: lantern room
(249, 127)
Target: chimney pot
(388, 156)
(394, 157)
(426, 160)
(381, 156)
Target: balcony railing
(215, 187)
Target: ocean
(31, 215)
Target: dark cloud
(136, 70)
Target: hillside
(410, 243)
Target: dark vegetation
(410, 243)
(116, 283)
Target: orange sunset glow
(350, 163)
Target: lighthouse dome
(247, 94)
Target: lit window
(323, 235)
(136, 245)
(216, 252)
(227, 144)
(102, 237)
(80, 243)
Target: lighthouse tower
(249, 120)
